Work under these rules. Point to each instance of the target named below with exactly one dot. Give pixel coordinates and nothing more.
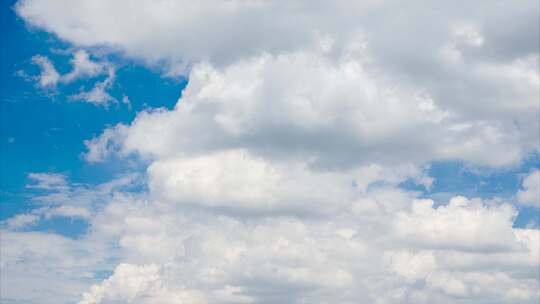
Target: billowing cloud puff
(530, 193)
(137, 284)
(181, 32)
(462, 250)
(303, 105)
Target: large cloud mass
(277, 176)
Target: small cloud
(126, 101)
(47, 181)
(21, 221)
(98, 95)
(83, 66)
(530, 193)
(101, 147)
(48, 76)
(68, 211)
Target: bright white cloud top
(276, 178)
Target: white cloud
(21, 221)
(476, 42)
(67, 211)
(83, 66)
(462, 224)
(361, 251)
(345, 257)
(126, 101)
(530, 193)
(59, 198)
(275, 179)
(343, 116)
(47, 181)
(98, 95)
(182, 32)
(240, 182)
(39, 267)
(48, 76)
(100, 148)
(138, 284)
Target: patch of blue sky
(68, 227)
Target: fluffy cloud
(48, 76)
(137, 284)
(82, 67)
(453, 57)
(348, 256)
(237, 181)
(461, 224)
(345, 115)
(98, 95)
(382, 245)
(530, 193)
(276, 178)
(181, 32)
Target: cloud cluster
(98, 95)
(83, 67)
(530, 193)
(375, 244)
(276, 178)
(48, 76)
(182, 32)
(337, 114)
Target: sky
(270, 152)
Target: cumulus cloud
(345, 115)
(452, 56)
(137, 284)
(181, 32)
(238, 181)
(98, 95)
(529, 195)
(348, 256)
(82, 67)
(48, 76)
(382, 246)
(451, 226)
(277, 176)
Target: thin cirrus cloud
(278, 176)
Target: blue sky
(438, 136)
